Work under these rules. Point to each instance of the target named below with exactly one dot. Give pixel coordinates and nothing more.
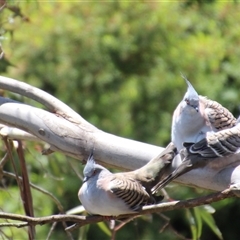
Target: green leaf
(104, 228)
(208, 208)
(209, 220)
(197, 214)
(193, 225)
(77, 210)
(83, 232)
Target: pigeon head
(191, 97)
(91, 169)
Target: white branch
(53, 104)
(74, 139)
(67, 132)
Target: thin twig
(4, 160)
(2, 7)
(59, 205)
(9, 151)
(168, 225)
(69, 234)
(26, 191)
(74, 169)
(84, 220)
(50, 195)
(120, 225)
(51, 230)
(162, 207)
(18, 225)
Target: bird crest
(90, 158)
(191, 97)
(90, 166)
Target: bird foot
(109, 218)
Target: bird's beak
(85, 179)
(196, 108)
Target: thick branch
(76, 140)
(53, 104)
(70, 134)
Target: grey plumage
(220, 144)
(219, 117)
(104, 193)
(197, 155)
(195, 116)
(194, 119)
(151, 173)
(108, 194)
(130, 191)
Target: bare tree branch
(76, 140)
(53, 104)
(67, 132)
(50, 195)
(17, 225)
(26, 193)
(83, 220)
(15, 133)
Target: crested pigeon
(198, 155)
(112, 194)
(195, 118)
(196, 115)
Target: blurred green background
(119, 64)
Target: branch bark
(67, 132)
(83, 220)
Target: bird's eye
(187, 101)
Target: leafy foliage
(118, 64)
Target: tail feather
(185, 166)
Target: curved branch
(53, 104)
(72, 135)
(76, 140)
